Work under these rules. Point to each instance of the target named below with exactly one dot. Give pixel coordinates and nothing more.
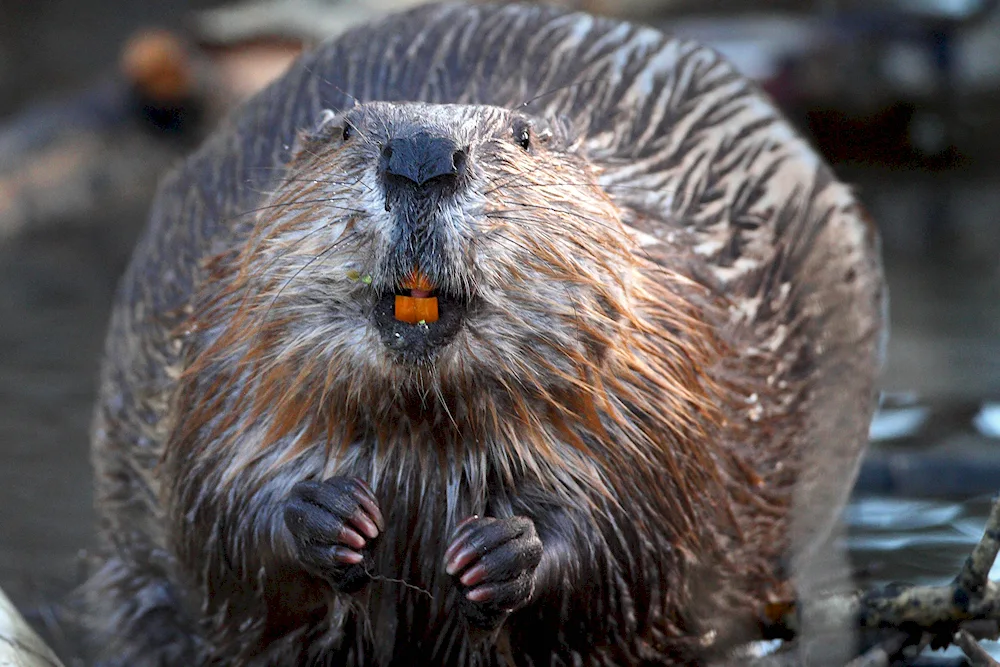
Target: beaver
(485, 335)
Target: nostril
(422, 158)
(458, 160)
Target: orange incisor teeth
(418, 280)
(419, 306)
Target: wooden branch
(974, 575)
(881, 655)
(911, 617)
(971, 596)
(976, 653)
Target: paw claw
(370, 506)
(346, 556)
(351, 538)
(458, 537)
(333, 524)
(364, 525)
(461, 560)
(494, 562)
(474, 575)
(481, 594)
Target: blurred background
(98, 97)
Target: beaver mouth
(418, 340)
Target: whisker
(329, 163)
(504, 239)
(561, 211)
(330, 83)
(355, 100)
(254, 241)
(295, 275)
(289, 204)
(549, 231)
(258, 235)
(553, 91)
(513, 177)
(313, 179)
(584, 184)
(291, 248)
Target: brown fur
(648, 412)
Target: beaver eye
(348, 131)
(522, 135)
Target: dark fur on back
(693, 313)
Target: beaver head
(505, 223)
(546, 301)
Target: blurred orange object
(157, 62)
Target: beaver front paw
(333, 524)
(493, 562)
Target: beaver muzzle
(419, 168)
(417, 319)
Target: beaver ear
(326, 128)
(326, 117)
(557, 132)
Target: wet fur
(637, 375)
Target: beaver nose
(422, 158)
